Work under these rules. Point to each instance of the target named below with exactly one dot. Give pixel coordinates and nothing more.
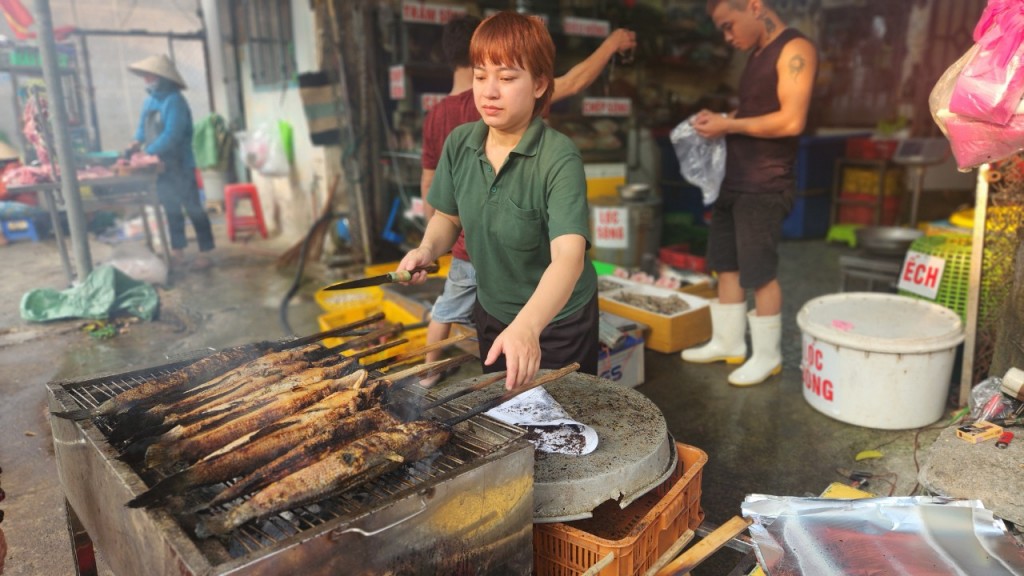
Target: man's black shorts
(744, 235)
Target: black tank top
(761, 164)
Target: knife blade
(396, 276)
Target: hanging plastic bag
(264, 151)
(973, 142)
(992, 83)
(701, 160)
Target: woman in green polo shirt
(518, 190)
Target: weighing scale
(917, 154)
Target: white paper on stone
(548, 426)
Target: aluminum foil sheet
(917, 536)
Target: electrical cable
(282, 310)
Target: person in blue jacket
(165, 131)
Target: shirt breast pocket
(519, 228)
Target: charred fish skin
(312, 427)
(350, 405)
(198, 371)
(203, 370)
(406, 442)
(132, 427)
(190, 449)
(250, 457)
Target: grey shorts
(455, 304)
(744, 235)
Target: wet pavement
(765, 439)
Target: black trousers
(179, 195)
(571, 339)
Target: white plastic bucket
(878, 360)
(213, 184)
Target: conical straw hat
(158, 66)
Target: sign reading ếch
(611, 227)
(921, 274)
(820, 367)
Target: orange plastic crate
(637, 535)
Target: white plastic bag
(263, 150)
(701, 160)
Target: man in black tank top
(756, 194)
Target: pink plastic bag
(991, 85)
(974, 142)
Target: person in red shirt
(455, 304)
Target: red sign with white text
(396, 82)
(607, 106)
(426, 13)
(585, 27)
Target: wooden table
(135, 189)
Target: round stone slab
(634, 455)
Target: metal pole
(974, 283)
(59, 125)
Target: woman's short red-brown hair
(512, 39)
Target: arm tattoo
(796, 65)
(769, 26)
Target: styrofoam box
(668, 333)
(625, 364)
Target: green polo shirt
(511, 217)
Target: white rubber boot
(728, 336)
(765, 338)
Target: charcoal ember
(668, 305)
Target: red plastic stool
(232, 194)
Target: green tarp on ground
(106, 292)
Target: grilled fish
(132, 426)
(345, 404)
(360, 460)
(190, 449)
(201, 371)
(318, 425)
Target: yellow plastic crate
(357, 303)
(865, 181)
(393, 313)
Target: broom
(314, 240)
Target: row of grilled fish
(292, 424)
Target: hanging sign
(607, 106)
(430, 99)
(921, 274)
(396, 82)
(542, 17)
(426, 13)
(611, 227)
(820, 367)
(572, 26)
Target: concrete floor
(764, 439)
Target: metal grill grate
(471, 441)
